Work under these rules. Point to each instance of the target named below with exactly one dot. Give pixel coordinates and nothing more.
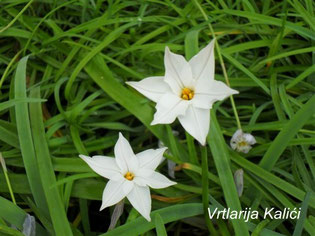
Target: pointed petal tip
(203, 143)
(163, 149)
(173, 183)
(132, 84)
(235, 91)
(154, 122)
(102, 207)
(84, 157)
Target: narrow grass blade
(16, 216)
(168, 214)
(159, 225)
(46, 171)
(25, 138)
(222, 163)
(286, 134)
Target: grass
(63, 65)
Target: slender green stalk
(5, 172)
(191, 149)
(205, 190)
(16, 17)
(222, 64)
(8, 68)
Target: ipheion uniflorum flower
(187, 91)
(242, 142)
(129, 175)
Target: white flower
(187, 91)
(242, 142)
(130, 175)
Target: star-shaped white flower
(242, 142)
(130, 175)
(187, 91)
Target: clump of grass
(63, 65)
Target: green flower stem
(205, 189)
(221, 62)
(191, 149)
(5, 172)
(16, 17)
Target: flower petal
(178, 73)
(207, 92)
(115, 191)
(168, 108)
(154, 180)
(217, 89)
(140, 199)
(237, 135)
(104, 166)
(151, 158)
(202, 64)
(250, 139)
(151, 87)
(203, 101)
(125, 158)
(196, 122)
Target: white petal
(168, 108)
(249, 139)
(203, 101)
(245, 149)
(207, 92)
(115, 191)
(155, 180)
(140, 199)
(233, 145)
(151, 87)
(202, 64)
(178, 73)
(125, 158)
(104, 166)
(196, 122)
(216, 89)
(151, 158)
(237, 135)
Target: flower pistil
(129, 176)
(187, 94)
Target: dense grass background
(63, 65)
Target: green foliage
(63, 68)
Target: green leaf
(222, 163)
(25, 138)
(168, 214)
(46, 171)
(159, 225)
(286, 134)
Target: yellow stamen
(242, 144)
(129, 176)
(187, 94)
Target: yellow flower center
(187, 94)
(129, 176)
(242, 143)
